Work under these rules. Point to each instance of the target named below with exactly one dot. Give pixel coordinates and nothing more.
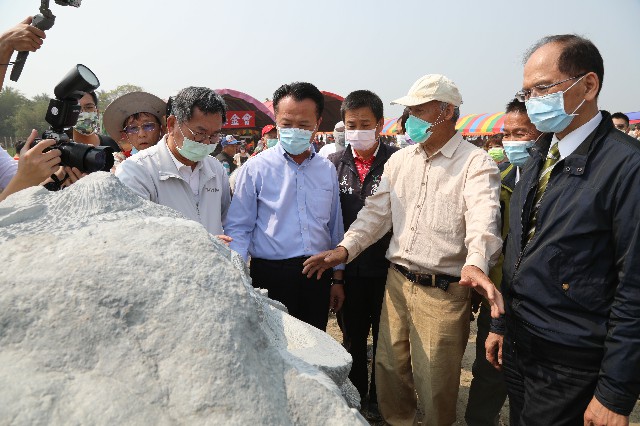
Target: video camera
(44, 20)
(63, 113)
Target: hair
(495, 138)
(515, 106)
(169, 102)
(621, 115)
(363, 99)
(456, 111)
(579, 55)
(299, 91)
(403, 119)
(93, 96)
(205, 99)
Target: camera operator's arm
(8, 168)
(34, 166)
(22, 37)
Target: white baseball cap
(431, 87)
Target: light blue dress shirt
(282, 210)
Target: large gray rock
(115, 310)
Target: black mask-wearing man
(571, 275)
(359, 170)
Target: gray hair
(456, 111)
(205, 99)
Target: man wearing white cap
(440, 198)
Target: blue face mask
(271, 143)
(517, 152)
(547, 112)
(295, 141)
(418, 129)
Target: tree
(10, 100)
(106, 97)
(30, 115)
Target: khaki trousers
(423, 335)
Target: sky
(339, 45)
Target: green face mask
(496, 153)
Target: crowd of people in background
(411, 236)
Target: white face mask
(360, 140)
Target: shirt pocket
(447, 214)
(319, 204)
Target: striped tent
(390, 127)
(481, 124)
(634, 117)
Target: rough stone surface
(115, 310)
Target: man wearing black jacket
(359, 170)
(571, 277)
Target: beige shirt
(444, 210)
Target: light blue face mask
(517, 152)
(271, 143)
(295, 141)
(418, 129)
(547, 112)
(194, 151)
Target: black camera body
(63, 113)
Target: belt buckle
(433, 280)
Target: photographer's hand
(22, 37)
(72, 175)
(34, 166)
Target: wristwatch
(337, 281)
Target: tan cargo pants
(423, 335)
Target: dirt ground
(465, 377)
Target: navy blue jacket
(371, 262)
(577, 282)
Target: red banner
(240, 119)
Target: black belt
(440, 281)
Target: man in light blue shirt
(286, 207)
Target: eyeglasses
(620, 126)
(541, 89)
(147, 127)
(200, 137)
(88, 108)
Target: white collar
(572, 141)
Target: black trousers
(487, 392)
(547, 383)
(360, 313)
(306, 298)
